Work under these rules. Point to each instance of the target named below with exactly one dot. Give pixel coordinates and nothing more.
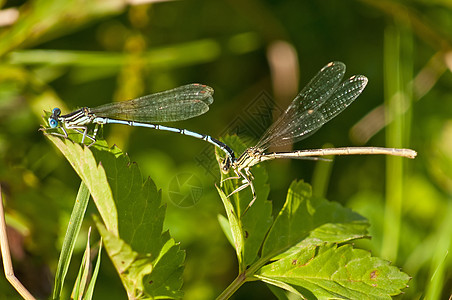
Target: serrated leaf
(93, 175)
(302, 214)
(165, 281)
(329, 271)
(306, 232)
(341, 232)
(140, 213)
(136, 243)
(331, 233)
(132, 266)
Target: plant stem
(234, 286)
(247, 275)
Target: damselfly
(323, 98)
(178, 104)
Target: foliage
(303, 250)
(70, 238)
(82, 288)
(69, 54)
(148, 261)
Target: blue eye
(56, 111)
(53, 123)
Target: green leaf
(305, 233)
(131, 266)
(331, 233)
(75, 222)
(329, 271)
(255, 222)
(82, 277)
(143, 275)
(93, 175)
(165, 281)
(226, 228)
(235, 227)
(302, 214)
(90, 289)
(280, 289)
(140, 213)
(148, 260)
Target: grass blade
(75, 222)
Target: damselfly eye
(225, 165)
(53, 123)
(56, 111)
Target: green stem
(234, 286)
(243, 277)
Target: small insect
(178, 104)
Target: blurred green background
(256, 55)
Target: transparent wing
(297, 118)
(178, 104)
(342, 97)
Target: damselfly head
(53, 119)
(56, 112)
(53, 123)
(226, 165)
